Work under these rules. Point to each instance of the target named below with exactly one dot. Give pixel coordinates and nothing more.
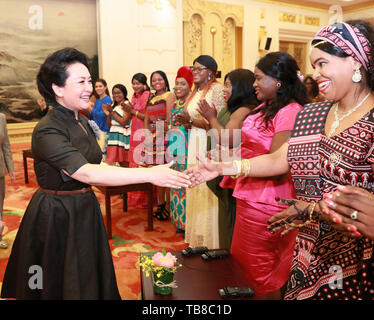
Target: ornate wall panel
(193, 38)
(229, 46)
(210, 28)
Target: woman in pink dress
(137, 108)
(265, 257)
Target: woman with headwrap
(177, 138)
(201, 202)
(331, 146)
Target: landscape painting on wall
(30, 30)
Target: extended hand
(163, 176)
(12, 178)
(205, 171)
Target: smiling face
(158, 83)
(333, 74)
(75, 94)
(117, 95)
(137, 86)
(200, 73)
(100, 89)
(265, 86)
(182, 89)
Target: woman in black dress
(61, 249)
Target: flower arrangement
(159, 263)
(162, 266)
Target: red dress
(139, 101)
(265, 257)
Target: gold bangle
(311, 212)
(136, 113)
(245, 167)
(237, 164)
(310, 220)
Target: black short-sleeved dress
(62, 235)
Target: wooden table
(111, 191)
(198, 279)
(26, 154)
(108, 192)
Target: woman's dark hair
(367, 29)
(142, 78)
(53, 70)
(283, 67)
(242, 93)
(315, 89)
(163, 75)
(123, 89)
(207, 61)
(105, 84)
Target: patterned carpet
(130, 237)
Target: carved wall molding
(199, 19)
(223, 10)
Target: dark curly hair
(283, 67)
(142, 78)
(53, 70)
(243, 93)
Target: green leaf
(119, 241)
(164, 252)
(16, 213)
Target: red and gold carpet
(130, 237)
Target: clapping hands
(207, 111)
(107, 108)
(350, 210)
(127, 106)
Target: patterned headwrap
(186, 73)
(349, 39)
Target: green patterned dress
(177, 138)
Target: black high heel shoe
(162, 213)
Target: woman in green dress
(177, 137)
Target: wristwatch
(190, 121)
